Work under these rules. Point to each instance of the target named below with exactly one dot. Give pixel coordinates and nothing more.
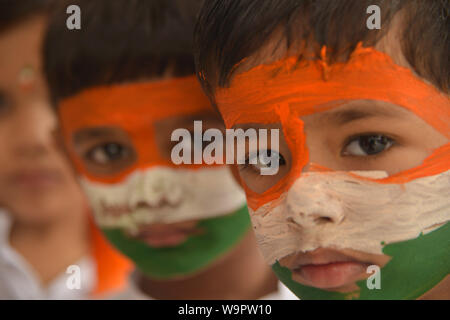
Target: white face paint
(337, 210)
(164, 195)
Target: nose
(309, 206)
(33, 128)
(156, 187)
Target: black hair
(228, 31)
(119, 41)
(13, 12)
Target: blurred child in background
(44, 225)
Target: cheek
(400, 159)
(6, 158)
(41, 208)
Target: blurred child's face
(363, 171)
(173, 221)
(36, 183)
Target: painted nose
(311, 206)
(157, 187)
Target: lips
(331, 275)
(326, 269)
(35, 178)
(167, 235)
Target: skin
(37, 186)
(336, 139)
(240, 274)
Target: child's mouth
(330, 276)
(326, 269)
(167, 235)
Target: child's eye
(107, 153)
(367, 145)
(262, 159)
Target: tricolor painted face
(172, 221)
(364, 174)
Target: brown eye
(262, 159)
(367, 145)
(107, 153)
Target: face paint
(369, 213)
(136, 197)
(187, 195)
(218, 236)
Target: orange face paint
(113, 268)
(286, 90)
(134, 108)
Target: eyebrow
(92, 133)
(346, 116)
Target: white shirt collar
(18, 280)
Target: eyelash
(369, 157)
(247, 166)
(251, 169)
(89, 154)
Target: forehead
(288, 87)
(19, 47)
(134, 105)
(26, 35)
(208, 116)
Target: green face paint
(220, 236)
(416, 266)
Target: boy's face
(171, 220)
(36, 182)
(363, 172)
